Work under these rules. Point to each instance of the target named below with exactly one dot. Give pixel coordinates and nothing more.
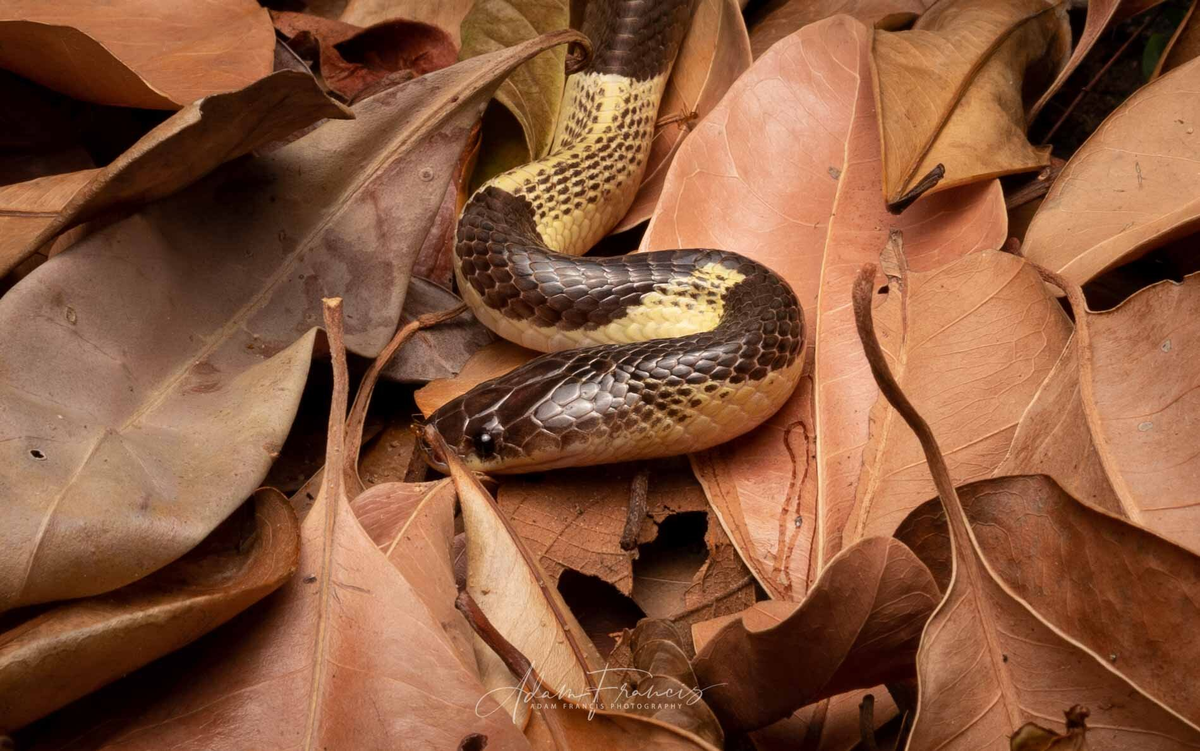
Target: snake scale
(650, 354)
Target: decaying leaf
(991, 659)
(777, 19)
(989, 320)
(1129, 189)
(1033, 737)
(353, 58)
(831, 725)
(1140, 371)
(447, 15)
(806, 103)
(968, 61)
(140, 414)
(715, 52)
(354, 646)
(440, 352)
(533, 91)
(138, 53)
(75, 648)
(189, 145)
(859, 626)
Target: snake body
(651, 354)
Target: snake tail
(649, 355)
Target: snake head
(478, 446)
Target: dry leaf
(491, 361)
(447, 15)
(353, 648)
(807, 103)
(142, 414)
(1100, 15)
(533, 92)
(829, 725)
(1033, 737)
(715, 52)
(859, 626)
(440, 352)
(992, 658)
(1183, 46)
(971, 344)
(780, 18)
(969, 62)
(384, 510)
(188, 146)
(138, 53)
(75, 648)
(1129, 189)
(352, 58)
(1141, 396)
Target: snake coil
(650, 354)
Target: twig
(638, 494)
(1096, 78)
(923, 185)
(1037, 187)
(362, 400)
(516, 662)
(866, 723)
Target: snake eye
(485, 445)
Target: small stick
(926, 183)
(1037, 187)
(1096, 78)
(866, 723)
(639, 490)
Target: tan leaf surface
(348, 654)
(859, 626)
(715, 52)
(384, 510)
(491, 361)
(786, 170)
(72, 650)
(829, 725)
(533, 92)
(780, 18)
(139, 415)
(971, 344)
(447, 15)
(968, 60)
(1130, 188)
(189, 145)
(353, 58)
(1142, 401)
(138, 53)
(1016, 638)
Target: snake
(648, 355)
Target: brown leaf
(808, 103)
(440, 352)
(140, 414)
(353, 647)
(829, 725)
(138, 53)
(189, 145)
(715, 52)
(780, 18)
(1100, 15)
(859, 626)
(511, 588)
(384, 510)
(969, 61)
(491, 361)
(992, 658)
(1141, 395)
(573, 520)
(353, 59)
(1129, 189)
(971, 344)
(72, 650)
(447, 15)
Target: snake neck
(586, 182)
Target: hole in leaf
(665, 566)
(599, 607)
(37, 455)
